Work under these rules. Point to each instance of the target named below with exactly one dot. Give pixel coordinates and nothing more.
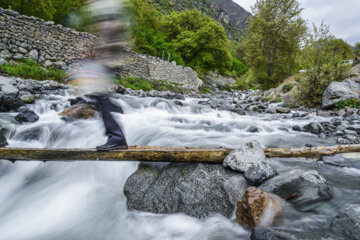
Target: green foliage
(357, 49)
(323, 64)
(344, 104)
(273, 40)
(239, 67)
(205, 89)
(141, 84)
(341, 48)
(287, 87)
(27, 68)
(246, 81)
(200, 40)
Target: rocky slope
(232, 16)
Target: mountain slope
(232, 16)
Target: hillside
(232, 16)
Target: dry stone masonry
(44, 42)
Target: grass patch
(29, 69)
(141, 84)
(287, 87)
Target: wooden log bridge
(162, 154)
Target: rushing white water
(85, 200)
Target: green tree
(64, 9)
(341, 48)
(43, 9)
(200, 40)
(357, 49)
(146, 29)
(273, 40)
(323, 64)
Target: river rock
(314, 127)
(257, 208)
(26, 115)
(198, 190)
(338, 91)
(282, 110)
(300, 187)
(9, 103)
(337, 160)
(3, 141)
(347, 222)
(9, 90)
(250, 160)
(79, 111)
(28, 99)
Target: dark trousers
(112, 129)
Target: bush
(30, 69)
(287, 87)
(135, 83)
(344, 104)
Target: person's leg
(116, 138)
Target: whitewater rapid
(85, 200)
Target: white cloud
(342, 16)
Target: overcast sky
(343, 16)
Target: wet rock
(79, 111)
(9, 90)
(28, 99)
(250, 160)
(253, 129)
(314, 127)
(198, 190)
(337, 160)
(282, 110)
(3, 141)
(258, 173)
(257, 208)
(296, 128)
(338, 91)
(26, 115)
(300, 187)
(347, 222)
(9, 103)
(343, 141)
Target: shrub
(287, 87)
(344, 104)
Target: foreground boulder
(9, 103)
(79, 111)
(300, 187)
(338, 91)
(314, 127)
(347, 222)
(198, 190)
(257, 208)
(250, 160)
(26, 115)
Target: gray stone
(347, 222)
(301, 187)
(48, 63)
(198, 190)
(338, 91)
(9, 103)
(314, 127)
(18, 56)
(28, 99)
(10, 90)
(253, 129)
(244, 157)
(26, 115)
(283, 110)
(337, 160)
(258, 173)
(263, 233)
(3, 141)
(22, 50)
(3, 61)
(34, 55)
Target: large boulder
(338, 91)
(8, 89)
(257, 208)
(9, 103)
(300, 187)
(198, 190)
(250, 160)
(347, 222)
(314, 127)
(79, 111)
(26, 115)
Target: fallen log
(163, 154)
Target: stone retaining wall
(49, 44)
